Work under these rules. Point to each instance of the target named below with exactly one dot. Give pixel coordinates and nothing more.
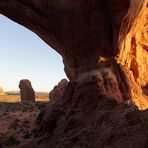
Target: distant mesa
(58, 91)
(1, 90)
(26, 91)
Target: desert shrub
(14, 125)
(10, 141)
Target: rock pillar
(26, 91)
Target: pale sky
(23, 55)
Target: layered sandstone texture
(57, 93)
(133, 45)
(26, 91)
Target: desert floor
(17, 120)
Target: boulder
(26, 91)
(57, 93)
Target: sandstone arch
(85, 31)
(104, 48)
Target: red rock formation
(91, 120)
(78, 30)
(26, 91)
(133, 54)
(57, 93)
(102, 71)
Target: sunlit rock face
(57, 92)
(26, 91)
(133, 44)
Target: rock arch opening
(25, 56)
(102, 92)
(79, 31)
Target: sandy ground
(17, 123)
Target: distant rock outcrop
(1, 90)
(26, 91)
(58, 91)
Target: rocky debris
(26, 91)
(57, 93)
(17, 122)
(1, 90)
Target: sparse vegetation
(14, 124)
(18, 122)
(11, 141)
(18, 118)
(22, 106)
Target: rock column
(26, 91)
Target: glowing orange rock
(133, 44)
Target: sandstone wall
(133, 45)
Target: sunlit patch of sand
(16, 98)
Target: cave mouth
(73, 28)
(74, 35)
(24, 56)
(75, 31)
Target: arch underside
(86, 33)
(104, 48)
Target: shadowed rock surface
(91, 120)
(57, 93)
(26, 91)
(104, 48)
(78, 30)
